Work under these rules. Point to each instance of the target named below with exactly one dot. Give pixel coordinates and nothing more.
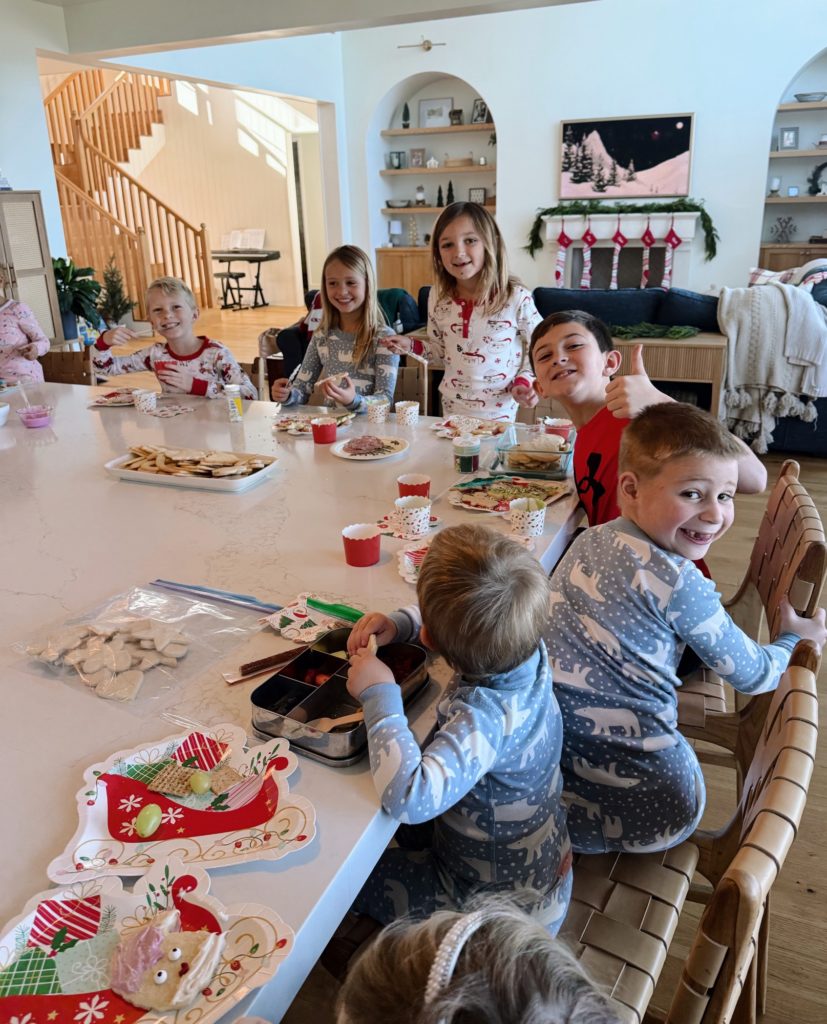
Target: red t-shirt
(596, 451)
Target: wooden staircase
(92, 126)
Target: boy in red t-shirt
(574, 361)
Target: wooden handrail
(93, 235)
(177, 248)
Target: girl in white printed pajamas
(489, 780)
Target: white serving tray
(202, 483)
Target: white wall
(24, 142)
(226, 161)
(628, 57)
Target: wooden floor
(798, 979)
(798, 952)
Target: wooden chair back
(743, 859)
(789, 557)
(61, 367)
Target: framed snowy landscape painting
(626, 157)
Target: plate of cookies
(200, 794)
(96, 953)
(204, 469)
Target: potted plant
(77, 295)
(114, 303)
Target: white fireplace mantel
(604, 225)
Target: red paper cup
(562, 428)
(324, 430)
(361, 541)
(414, 483)
(163, 364)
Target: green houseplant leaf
(77, 290)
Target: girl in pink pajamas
(479, 319)
(21, 341)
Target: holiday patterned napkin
(303, 625)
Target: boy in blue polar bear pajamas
(626, 598)
(489, 780)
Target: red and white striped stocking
(619, 240)
(673, 240)
(648, 240)
(588, 241)
(563, 243)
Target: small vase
(70, 326)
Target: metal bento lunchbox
(313, 686)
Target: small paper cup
(145, 401)
(378, 411)
(412, 515)
(414, 484)
(361, 541)
(560, 427)
(407, 413)
(527, 516)
(324, 429)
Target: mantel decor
(592, 206)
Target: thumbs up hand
(627, 396)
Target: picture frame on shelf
(416, 158)
(397, 160)
(457, 117)
(435, 113)
(477, 195)
(792, 191)
(645, 156)
(788, 138)
(479, 112)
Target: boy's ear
(425, 638)
(627, 485)
(612, 363)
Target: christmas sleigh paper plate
(210, 802)
(56, 957)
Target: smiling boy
(185, 363)
(626, 598)
(574, 359)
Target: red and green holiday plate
(56, 957)
(256, 818)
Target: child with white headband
(495, 964)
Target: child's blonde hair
(357, 261)
(509, 969)
(172, 286)
(673, 430)
(496, 286)
(484, 600)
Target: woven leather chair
(625, 907)
(789, 557)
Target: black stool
(230, 288)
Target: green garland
(584, 207)
(814, 181)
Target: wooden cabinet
(25, 261)
(789, 255)
(407, 267)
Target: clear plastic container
(232, 392)
(530, 451)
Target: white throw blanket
(776, 355)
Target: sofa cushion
(681, 308)
(623, 306)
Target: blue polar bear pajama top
(490, 777)
(622, 611)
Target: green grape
(148, 820)
(200, 782)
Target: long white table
(73, 536)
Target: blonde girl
(344, 348)
(494, 964)
(480, 318)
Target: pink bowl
(36, 415)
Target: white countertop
(75, 537)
